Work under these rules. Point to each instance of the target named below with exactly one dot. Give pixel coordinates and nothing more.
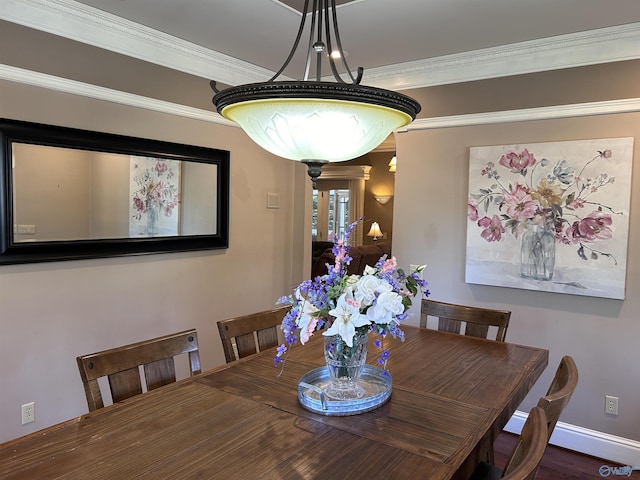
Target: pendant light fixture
(316, 121)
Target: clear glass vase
(537, 253)
(345, 366)
(152, 220)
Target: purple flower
(281, 351)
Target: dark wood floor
(557, 463)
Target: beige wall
(430, 224)
(52, 312)
(69, 194)
(62, 184)
(109, 195)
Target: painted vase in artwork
(152, 220)
(537, 253)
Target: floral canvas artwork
(154, 187)
(550, 216)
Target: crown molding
(51, 82)
(607, 107)
(345, 172)
(85, 24)
(73, 20)
(603, 45)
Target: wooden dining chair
(562, 387)
(121, 366)
(527, 453)
(249, 334)
(477, 320)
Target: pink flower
(160, 167)
(576, 203)
(517, 162)
(605, 153)
(138, 204)
(339, 258)
(493, 228)
(520, 205)
(472, 212)
(306, 333)
(595, 226)
(389, 265)
(168, 209)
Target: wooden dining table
(451, 396)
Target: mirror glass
(100, 195)
(107, 195)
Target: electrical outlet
(28, 413)
(611, 405)
(26, 230)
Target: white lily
(347, 317)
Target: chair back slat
(125, 384)
(268, 337)
(194, 360)
(560, 391)
(251, 333)
(160, 373)
(476, 330)
(448, 325)
(526, 456)
(121, 366)
(246, 345)
(476, 320)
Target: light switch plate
(273, 200)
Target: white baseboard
(590, 442)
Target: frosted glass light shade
(316, 128)
(316, 121)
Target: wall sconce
(374, 231)
(392, 164)
(382, 199)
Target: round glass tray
(375, 381)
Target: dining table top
(451, 395)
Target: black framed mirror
(68, 194)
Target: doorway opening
(330, 212)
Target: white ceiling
(401, 44)
(375, 33)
